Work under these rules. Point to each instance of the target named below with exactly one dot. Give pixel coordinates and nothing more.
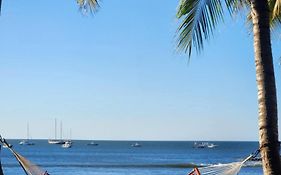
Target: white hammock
(221, 169)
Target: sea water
(120, 158)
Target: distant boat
(211, 145)
(136, 144)
(204, 145)
(57, 141)
(67, 144)
(92, 143)
(27, 140)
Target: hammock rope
(28, 167)
(1, 171)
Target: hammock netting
(221, 169)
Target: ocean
(120, 158)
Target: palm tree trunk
(267, 101)
(0, 6)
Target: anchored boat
(55, 140)
(27, 141)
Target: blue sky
(116, 75)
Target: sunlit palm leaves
(200, 18)
(277, 7)
(275, 13)
(87, 6)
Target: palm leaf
(275, 13)
(198, 20)
(88, 5)
(276, 7)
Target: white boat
(92, 143)
(204, 145)
(67, 144)
(136, 144)
(27, 140)
(57, 141)
(211, 145)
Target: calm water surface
(119, 158)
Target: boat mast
(55, 128)
(27, 131)
(60, 130)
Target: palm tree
(198, 20)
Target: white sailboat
(56, 141)
(27, 140)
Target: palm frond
(87, 6)
(276, 7)
(198, 20)
(274, 13)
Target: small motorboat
(26, 142)
(92, 143)
(204, 145)
(67, 144)
(136, 144)
(211, 145)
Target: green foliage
(199, 18)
